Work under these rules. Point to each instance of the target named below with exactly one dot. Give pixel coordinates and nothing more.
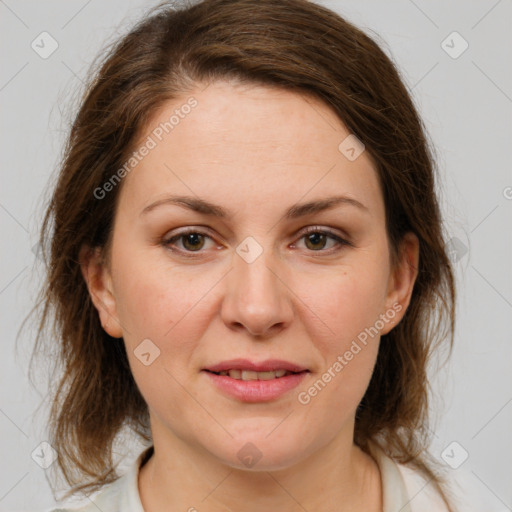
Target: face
(257, 277)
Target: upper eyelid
(202, 230)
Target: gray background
(466, 103)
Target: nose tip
(256, 299)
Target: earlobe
(99, 284)
(402, 279)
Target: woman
(247, 269)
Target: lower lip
(256, 390)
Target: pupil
(316, 238)
(194, 239)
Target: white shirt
(404, 490)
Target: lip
(256, 390)
(268, 365)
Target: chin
(261, 453)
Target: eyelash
(308, 231)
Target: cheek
(151, 294)
(167, 304)
(157, 305)
(145, 305)
(348, 304)
(349, 301)
(162, 306)
(347, 350)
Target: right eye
(192, 241)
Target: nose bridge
(254, 281)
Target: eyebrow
(296, 211)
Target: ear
(402, 279)
(99, 283)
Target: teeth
(250, 375)
(267, 375)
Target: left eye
(315, 240)
(316, 237)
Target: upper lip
(268, 365)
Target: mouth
(244, 369)
(247, 381)
(247, 375)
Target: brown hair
(293, 44)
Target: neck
(337, 477)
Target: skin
(255, 151)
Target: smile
(252, 386)
(251, 375)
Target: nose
(257, 298)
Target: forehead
(248, 144)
